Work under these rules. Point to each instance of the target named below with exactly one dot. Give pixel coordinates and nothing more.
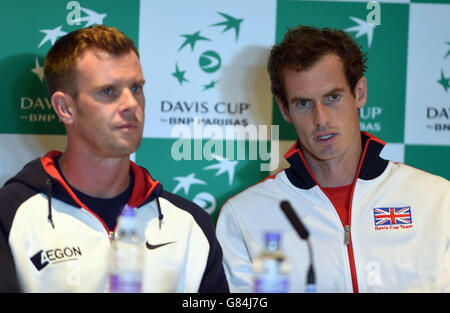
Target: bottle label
(126, 267)
(271, 285)
(126, 283)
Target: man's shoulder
(15, 193)
(12, 196)
(272, 188)
(424, 178)
(201, 217)
(25, 183)
(179, 201)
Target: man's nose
(128, 100)
(321, 114)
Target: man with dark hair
(374, 225)
(59, 214)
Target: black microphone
(304, 234)
(294, 219)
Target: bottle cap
(272, 236)
(128, 211)
(127, 220)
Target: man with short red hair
(59, 214)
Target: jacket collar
(145, 189)
(370, 166)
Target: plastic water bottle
(126, 265)
(271, 268)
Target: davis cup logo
(439, 116)
(209, 61)
(213, 68)
(203, 72)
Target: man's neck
(336, 172)
(333, 175)
(96, 176)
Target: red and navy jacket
(52, 242)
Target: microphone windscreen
(294, 219)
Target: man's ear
(63, 104)
(361, 92)
(284, 110)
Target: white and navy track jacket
(398, 233)
(57, 244)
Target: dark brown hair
(303, 46)
(60, 62)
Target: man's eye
(303, 104)
(107, 91)
(334, 97)
(136, 89)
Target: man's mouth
(325, 138)
(127, 126)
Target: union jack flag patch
(392, 216)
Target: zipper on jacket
(111, 235)
(347, 235)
